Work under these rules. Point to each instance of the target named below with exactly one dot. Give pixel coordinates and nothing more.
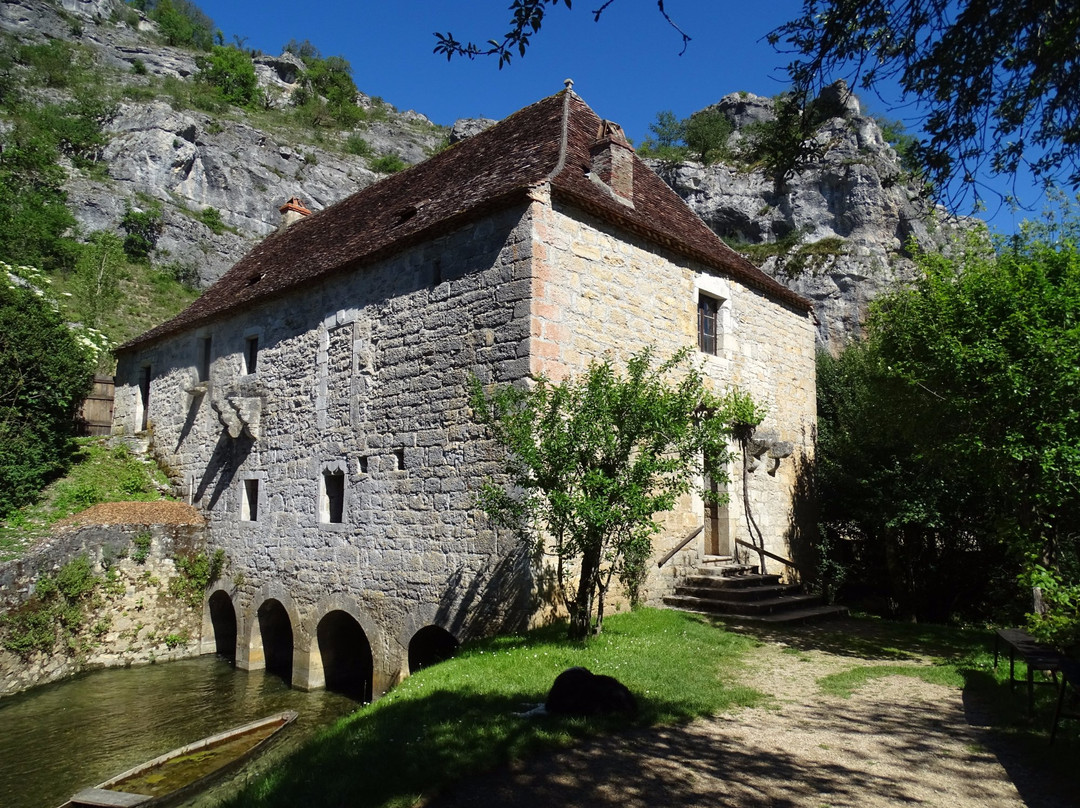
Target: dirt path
(896, 741)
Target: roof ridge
(563, 137)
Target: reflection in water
(59, 738)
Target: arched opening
(277, 639)
(430, 645)
(346, 656)
(223, 618)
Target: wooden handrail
(773, 556)
(689, 538)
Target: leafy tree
(182, 23)
(1000, 82)
(47, 372)
(327, 93)
(34, 217)
(96, 281)
(593, 459)
(950, 441)
(232, 72)
(707, 133)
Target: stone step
(810, 614)
(731, 581)
(722, 592)
(716, 605)
(726, 570)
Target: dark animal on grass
(580, 693)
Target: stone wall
(597, 292)
(130, 618)
(360, 382)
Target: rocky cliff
(243, 164)
(837, 231)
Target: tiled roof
(488, 171)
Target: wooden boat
(182, 771)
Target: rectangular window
(399, 455)
(249, 506)
(251, 354)
(708, 319)
(145, 377)
(205, 345)
(332, 506)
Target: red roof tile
(490, 170)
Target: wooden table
(1036, 656)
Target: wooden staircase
(738, 592)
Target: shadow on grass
(873, 639)
(396, 751)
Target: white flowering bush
(94, 342)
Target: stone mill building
(314, 403)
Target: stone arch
(430, 645)
(270, 633)
(276, 635)
(347, 663)
(222, 616)
(385, 664)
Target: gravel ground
(136, 513)
(896, 741)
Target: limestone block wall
(129, 618)
(339, 471)
(597, 291)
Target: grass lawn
(456, 718)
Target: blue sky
(626, 66)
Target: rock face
(188, 160)
(849, 218)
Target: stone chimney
(613, 161)
(291, 212)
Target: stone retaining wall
(130, 617)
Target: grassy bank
(457, 718)
(98, 473)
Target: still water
(59, 738)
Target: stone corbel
(239, 414)
(768, 445)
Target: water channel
(59, 738)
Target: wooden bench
(1036, 656)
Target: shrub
(46, 373)
(211, 217)
(143, 228)
(355, 144)
(387, 164)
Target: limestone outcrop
(841, 229)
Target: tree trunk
(581, 614)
